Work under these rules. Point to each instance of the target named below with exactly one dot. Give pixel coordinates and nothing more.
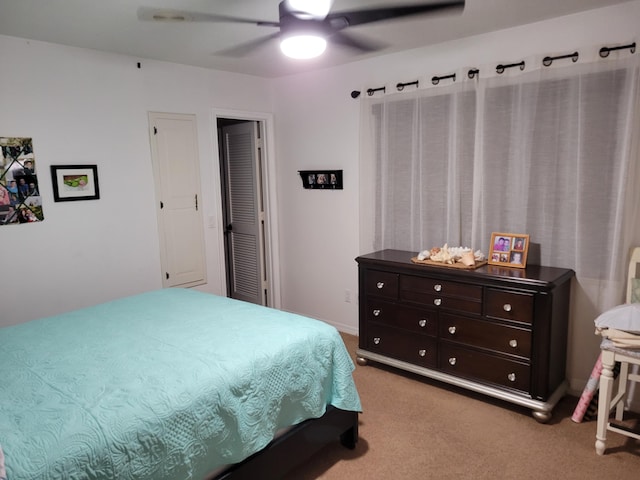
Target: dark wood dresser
(495, 330)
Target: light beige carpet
(416, 428)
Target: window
(549, 153)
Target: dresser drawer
(414, 320)
(509, 305)
(409, 347)
(461, 297)
(484, 367)
(451, 303)
(381, 284)
(424, 285)
(487, 335)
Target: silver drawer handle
(452, 330)
(380, 284)
(422, 353)
(437, 302)
(512, 377)
(437, 287)
(506, 307)
(376, 312)
(452, 361)
(513, 343)
(376, 340)
(422, 323)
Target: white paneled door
(174, 152)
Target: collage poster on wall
(20, 200)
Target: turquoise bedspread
(163, 385)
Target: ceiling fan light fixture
(309, 8)
(302, 47)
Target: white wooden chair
(620, 328)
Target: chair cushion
(611, 345)
(623, 317)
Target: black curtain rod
(501, 68)
(371, 91)
(436, 80)
(400, 86)
(547, 61)
(604, 51)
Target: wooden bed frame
(297, 445)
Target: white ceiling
(113, 26)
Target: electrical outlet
(347, 296)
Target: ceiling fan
(305, 26)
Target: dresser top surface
(533, 275)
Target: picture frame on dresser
(509, 249)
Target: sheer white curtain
(418, 173)
(552, 153)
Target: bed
(171, 384)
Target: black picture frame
(75, 182)
(321, 179)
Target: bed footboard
(296, 446)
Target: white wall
(319, 229)
(82, 106)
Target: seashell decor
(451, 255)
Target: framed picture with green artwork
(75, 182)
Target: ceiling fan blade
(349, 40)
(358, 17)
(172, 15)
(247, 47)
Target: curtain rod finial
(355, 94)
